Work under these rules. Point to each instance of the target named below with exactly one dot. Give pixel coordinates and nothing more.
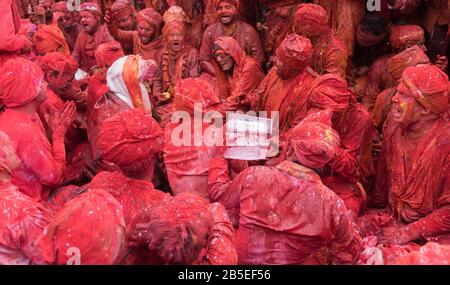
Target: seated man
(22, 90)
(353, 162)
(93, 35)
(229, 25)
(285, 213)
(414, 178)
(285, 87)
(238, 74)
(22, 220)
(67, 23)
(330, 53)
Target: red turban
(406, 35)
(90, 226)
(295, 51)
(106, 54)
(128, 139)
(179, 228)
(412, 56)
(122, 8)
(314, 141)
(428, 85)
(49, 38)
(152, 17)
(20, 82)
(58, 62)
(175, 13)
(60, 6)
(311, 20)
(330, 91)
(194, 90)
(368, 40)
(235, 3)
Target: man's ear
(50, 75)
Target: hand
(394, 235)
(60, 122)
(442, 62)
(27, 45)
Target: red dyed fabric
(247, 74)
(330, 55)
(86, 44)
(10, 42)
(330, 92)
(429, 254)
(20, 81)
(403, 36)
(313, 140)
(273, 228)
(90, 229)
(412, 56)
(311, 20)
(22, 225)
(130, 139)
(295, 51)
(49, 38)
(107, 53)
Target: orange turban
(311, 20)
(49, 38)
(295, 51)
(406, 35)
(330, 91)
(412, 56)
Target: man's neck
(29, 108)
(231, 28)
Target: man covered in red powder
(11, 43)
(353, 161)
(285, 213)
(93, 35)
(146, 41)
(285, 87)
(67, 23)
(330, 54)
(414, 178)
(124, 16)
(229, 25)
(238, 74)
(22, 220)
(22, 90)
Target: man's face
(67, 21)
(126, 21)
(57, 83)
(42, 95)
(282, 70)
(404, 106)
(145, 32)
(225, 61)
(227, 13)
(89, 22)
(175, 40)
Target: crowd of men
(90, 172)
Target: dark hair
(374, 23)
